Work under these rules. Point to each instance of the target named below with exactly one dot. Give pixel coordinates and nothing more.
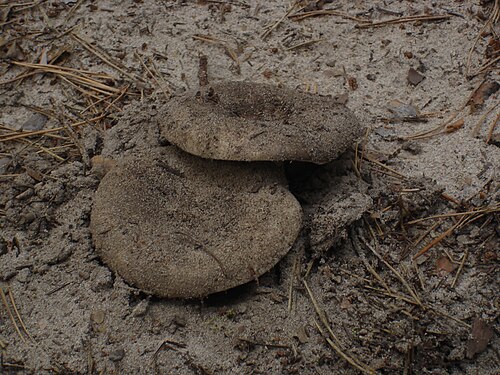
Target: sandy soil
(64, 311)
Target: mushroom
(176, 225)
(252, 121)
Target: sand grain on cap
(180, 226)
(253, 121)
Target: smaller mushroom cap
(253, 121)
(176, 225)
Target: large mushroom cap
(179, 226)
(252, 121)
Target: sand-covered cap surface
(252, 121)
(176, 225)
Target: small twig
(203, 71)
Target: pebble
(117, 354)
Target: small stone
(36, 122)
(102, 279)
(302, 335)
(98, 316)
(24, 275)
(179, 320)
(414, 77)
(140, 309)
(117, 354)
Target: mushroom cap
(176, 225)
(253, 121)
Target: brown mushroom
(176, 225)
(251, 121)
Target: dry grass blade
(59, 68)
(395, 21)
(324, 12)
(108, 60)
(476, 128)
(53, 130)
(492, 20)
(6, 304)
(462, 262)
(438, 239)
(440, 129)
(270, 29)
(382, 165)
(487, 209)
(13, 303)
(210, 39)
(464, 218)
(324, 320)
(153, 77)
(407, 286)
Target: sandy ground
(64, 311)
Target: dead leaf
(482, 93)
(15, 52)
(34, 174)
(414, 77)
(482, 333)
(345, 303)
(402, 110)
(454, 126)
(444, 264)
(493, 48)
(342, 98)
